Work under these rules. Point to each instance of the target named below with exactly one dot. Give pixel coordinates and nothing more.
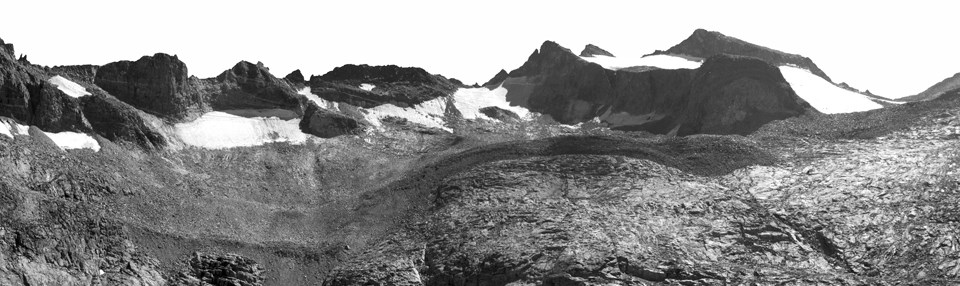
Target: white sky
(893, 49)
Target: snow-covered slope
(217, 130)
(74, 140)
(367, 86)
(70, 88)
(823, 95)
(659, 61)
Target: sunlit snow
(429, 113)
(659, 61)
(323, 103)
(217, 130)
(367, 86)
(10, 128)
(73, 140)
(469, 101)
(70, 88)
(823, 95)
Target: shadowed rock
(590, 50)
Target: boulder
(328, 124)
(499, 113)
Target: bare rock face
(328, 124)
(26, 95)
(705, 44)
(156, 84)
(591, 50)
(400, 86)
(497, 79)
(250, 86)
(295, 77)
(726, 95)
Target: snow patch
(823, 95)
(659, 61)
(469, 101)
(218, 130)
(323, 103)
(72, 89)
(10, 128)
(73, 140)
(367, 86)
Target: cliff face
(156, 84)
(705, 44)
(726, 95)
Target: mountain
(565, 171)
(726, 95)
(936, 90)
(370, 86)
(591, 50)
(704, 44)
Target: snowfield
(667, 62)
(74, 140)
(66, 86)
(823, 95)
(470, 100)
(367, 86)
(219, 130)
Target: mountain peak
(497, 79)
(592, 50)
(704, 44)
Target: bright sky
(893, 48)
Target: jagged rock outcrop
(705, 44)
(936, 90)
(225, 270)
(249, 86)
(497, 79)
(295, 77)
(401, 86)
(26, 95)
(726, 95)
(328, 124)
(591, 50)
(156, 84)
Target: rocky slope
(936, 90)
(705, 44)
(726, 95)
